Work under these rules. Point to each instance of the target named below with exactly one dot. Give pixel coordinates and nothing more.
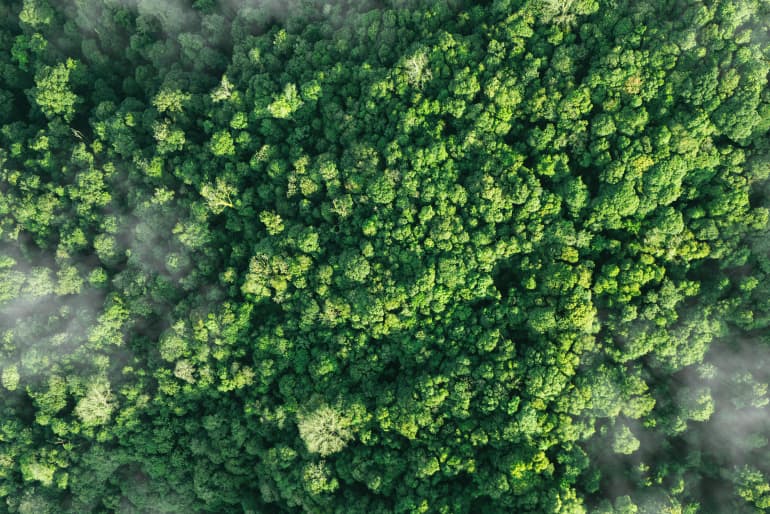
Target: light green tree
(36, 13)
(318, 478)
(417, 70)
(324, 430)
(10, 377)
(222, 144)
(96, 407)
(624, 441)
(170, 100)
(219, 195)
(286, 103)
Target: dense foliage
(388, 257)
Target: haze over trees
(384, 257)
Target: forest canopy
(393, 256)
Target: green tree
(52, 91)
